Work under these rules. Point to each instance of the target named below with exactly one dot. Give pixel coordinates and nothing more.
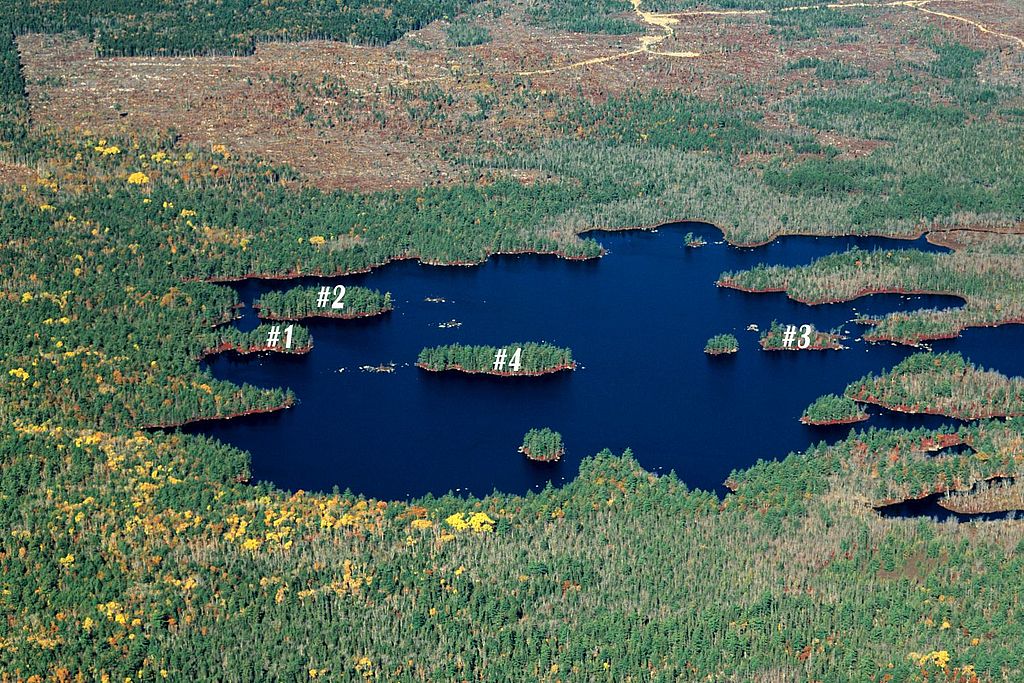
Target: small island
(290, 339)
(722, 344)
(833, 410)
(776, 338)
(520, 359)
(338, 302)
(694, 241)
(543, 445)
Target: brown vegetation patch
(369, 118)
(917, 566)
(243, 103)
(987, 497)
(16, 174)
(346, 116)
(987, 237)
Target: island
(543, 445)
(694, 241)
(338, 302)
(288, 339)
(833, 410)
(722, 344)
(775, 339)
(521, 359)
(942, 384)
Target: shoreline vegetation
(513, 360)
(890, 466)
(985, 272)
(252, 349)
(587, 254)
(298, 274)
(989, 496)
(289, 402)
(543, 445)
(722, 344)
(586, 250)
(257, 340)
(733, 239)
(935, 235)
(941, 384)
(831, 410)
(301, 303)
(773, 339)
(993, 494)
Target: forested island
(942, 384)
(833, 410)
(293, 339)
(722, 344)
(300, 303)
(776, 339)
(521, 359)
(693, 241)
(543, 445)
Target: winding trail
(919, 5)
(665, 21)
(647, 43)
(803, 8)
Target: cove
(929, 508)
(636, 321)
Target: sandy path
(647, 43)
(666, 21)
(919, 5)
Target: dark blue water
(636, 320)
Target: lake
(636, 320)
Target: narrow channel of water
(929, 507)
